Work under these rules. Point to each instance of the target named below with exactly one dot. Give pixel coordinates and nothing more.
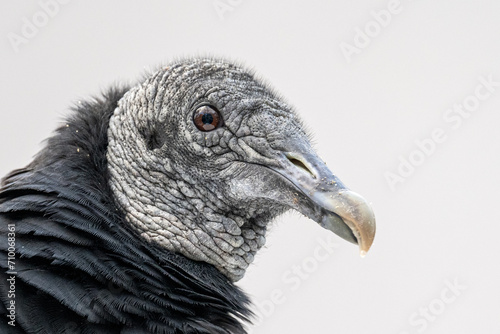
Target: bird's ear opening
(152, 138)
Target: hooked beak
(327, 200)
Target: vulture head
(202, 156)
(148, 203)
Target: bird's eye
(206, 118)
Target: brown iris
(206, 118)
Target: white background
(438, 226)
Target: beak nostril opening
(300, 165)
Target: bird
(150, 201)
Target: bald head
(202, 156)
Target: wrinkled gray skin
(206, 195)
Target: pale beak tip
(362, 253)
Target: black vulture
(149, 202)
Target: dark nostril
(300, 165)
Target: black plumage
(76, 259)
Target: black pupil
(207, 118)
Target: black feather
(79, 268)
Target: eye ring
(207, 118)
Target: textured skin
(187, 194)
(131, 220)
